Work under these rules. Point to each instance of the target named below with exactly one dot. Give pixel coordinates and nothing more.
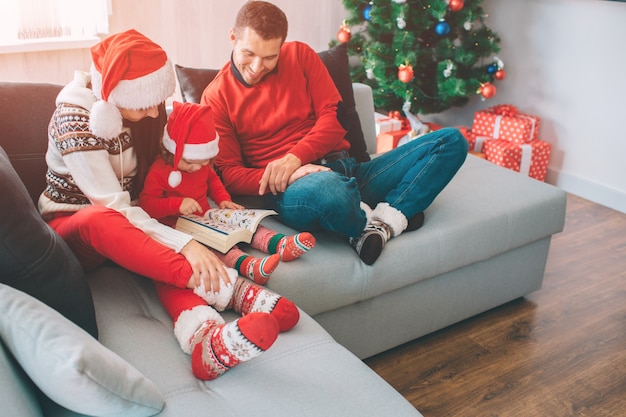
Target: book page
(244, 219)
(216, 225)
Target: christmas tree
(433, 54)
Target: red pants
(98, 233)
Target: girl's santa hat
(189, 134)
(128, 71)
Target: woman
(103, 136)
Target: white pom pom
(174, 179)
(105, 120)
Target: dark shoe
(415, 222)
(370, 244)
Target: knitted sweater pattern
(85, 170)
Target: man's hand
(277, 174)
(306, 170)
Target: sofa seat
(305, 373)
(490, 226)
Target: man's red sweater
(292, 110)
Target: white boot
(384, 223)
(392, 217)
(190, 320)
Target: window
(30, 25)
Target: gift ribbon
(478, 145)
(525, 163)
(496, 127)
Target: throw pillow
(35, 259)
(194, 80)
(68, 365)
(336, 61)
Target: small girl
(180, 180)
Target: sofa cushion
(25, 111)
(193, 81)
(35, 259)
(68, 365)
(304, 373)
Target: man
(281, 124)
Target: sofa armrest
(364, 100)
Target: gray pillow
(68, 365)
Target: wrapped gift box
(389, 140)
(529, 159)
(475, 141)
(386, 124)
(504, 121)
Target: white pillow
(69, 365)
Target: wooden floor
(560, 351)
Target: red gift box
(389, 140)
(505, 121)
(529, 159)
(475, 141)
(386, 124)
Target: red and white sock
(288, 247)
(292, 247)
(251, 298)
(216, 348)
(258, 270)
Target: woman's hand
(206, 267)
(189, 206)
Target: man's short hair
(266, 19)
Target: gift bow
(395, 114)
(505, 110)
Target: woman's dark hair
(267, 20)
(147, 135)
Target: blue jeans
(408, 178)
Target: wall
(564, 63)
(563, 60)
(193, 32)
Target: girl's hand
(206, 267)
(230, 205)
(189, 206)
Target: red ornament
(405, 73)
(456, 5)
(487, 90)
(344, 34)
(500, 75)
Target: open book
(221, 229)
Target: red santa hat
(128, 71)
(189, 134)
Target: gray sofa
(484, 242)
